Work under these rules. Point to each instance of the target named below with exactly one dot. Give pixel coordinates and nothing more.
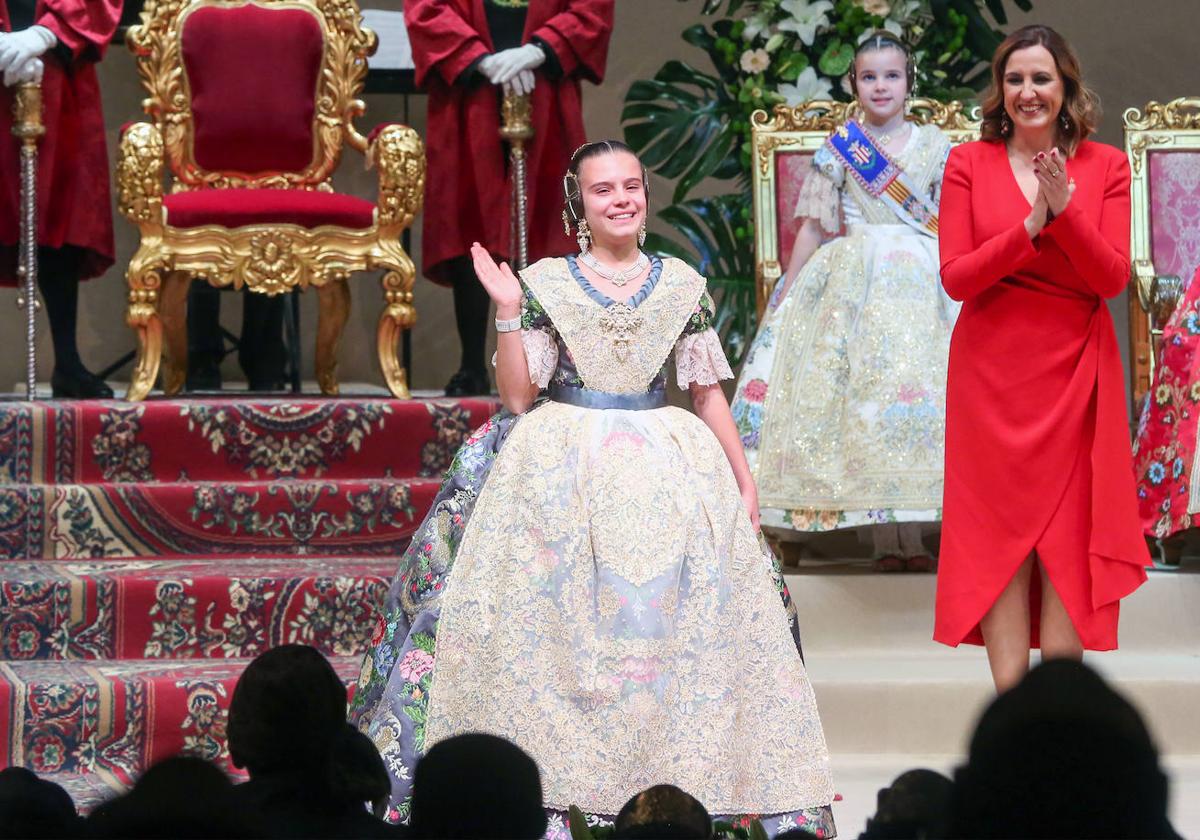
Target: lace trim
(700, 359)
(541, 354)
(820, 199)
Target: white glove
(30, 71)
(16, 48)
(503, 66)
(520, 84)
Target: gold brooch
(620, 324)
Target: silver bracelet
(511, 325)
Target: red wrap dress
(1037, 437)
(74, 205)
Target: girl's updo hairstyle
(881, 39)
(1081, 106)
(573, 192)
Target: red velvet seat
(238, 208)
(250, 105)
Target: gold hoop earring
(583, 236)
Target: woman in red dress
(1040, 538)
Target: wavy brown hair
(1081, 104)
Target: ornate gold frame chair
(783, 144)
(250, 103)
(1163, 144)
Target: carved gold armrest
(399, 155)
(140, 177)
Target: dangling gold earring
(1005, 125)
(1064, 120)
(642, 234)
(566, 224)
(583, 235)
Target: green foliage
(692, 125)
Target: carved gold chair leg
(141, 315)
(333, 311)
(173, 314)
(398, 315)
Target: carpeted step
(118, 717)
(188, 608)
(317, 517)
(232, 438)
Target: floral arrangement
(691, 125)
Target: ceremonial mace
(28, 128)
(516, 128)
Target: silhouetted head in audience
(915, 805)
(663, 812)
(474, 786)
(287, 710)
(182, 797)
(33, 807)
(1060, 755)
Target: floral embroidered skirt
(588, 585)
(1164, 454)
(841, 403)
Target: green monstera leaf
(714, 229)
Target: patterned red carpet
(152, 549)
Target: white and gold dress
(841, 403)
(601, 599)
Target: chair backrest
(1163, 144)
(783, 145)
(252, 93)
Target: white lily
(807, 16)
(807, 86)
(756, 24)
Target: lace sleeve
(541, 354)
(538, 339)
(821, 192)
(700, 359)
(698, 354)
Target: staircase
(150, 550)
(891, 699)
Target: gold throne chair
(783, 143)
(250, 104)
(1163, 144)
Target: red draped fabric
(1037, 437)
(467, 191)
(74, 205)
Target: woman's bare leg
(1006, 630)
(1059, 639)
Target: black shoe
(204, 374)
(78, 383)
(468, 383)
(267, 385)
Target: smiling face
(881, 82)
(614, 197)
(1033, 89)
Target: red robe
(1037, 436)
(467, 187)
(74, 204)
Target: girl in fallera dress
(841, 402)
(1040, 539)
(589, 583)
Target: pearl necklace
(617, 276)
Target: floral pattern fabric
(1164, 453)
(841, 403)
(591, 585)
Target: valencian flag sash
(883, 178)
